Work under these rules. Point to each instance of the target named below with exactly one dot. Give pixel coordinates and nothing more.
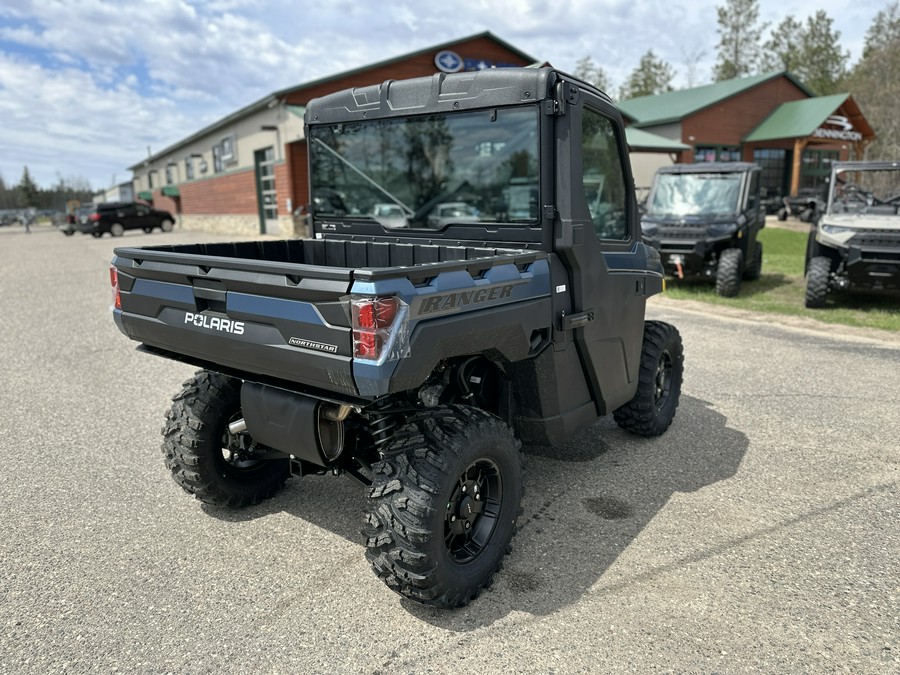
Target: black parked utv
(704, 220)
(418, 348)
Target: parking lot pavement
(760, 533)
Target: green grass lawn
(782, 286)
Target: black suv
(116, 217)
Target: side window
(753, 198)
(604, 183)
(142, 210)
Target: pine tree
(27, 190)
(739, 35)
(874, 83)
(810, 50)
(652, 76)
(588, 71)
(782, 50)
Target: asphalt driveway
(760, 533)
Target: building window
(228, 152)
(717, 153)
(603, 182)
(150, 179)
(218, 165)
(815, 168)
(774, 177)
(189, 167)
(170, 174)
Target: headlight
(836, 229)
(723, 229)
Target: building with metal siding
(247, 173)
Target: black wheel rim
(663, 379)
(473, 510)
(235, 452)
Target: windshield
(865, 191)
(690, 194)
(429, 171)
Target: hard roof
(710, 167)
(674, 106)
(797, 119)
(641, 140)
(863, 166)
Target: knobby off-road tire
(818, 273)
(202, 454)
(728, 272)
(443, 507)
(652, 409)
(754, 272)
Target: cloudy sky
(86, 86)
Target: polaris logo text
(215, 323)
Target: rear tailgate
(284, 320)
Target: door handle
(580, 320)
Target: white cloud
(86, 85)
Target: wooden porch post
(799, 147)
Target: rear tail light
(377, 322)
(114, 281)
(94, 217)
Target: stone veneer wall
(244, 225)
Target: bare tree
(691, 60)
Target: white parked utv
(855, 243)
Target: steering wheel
(851, 192)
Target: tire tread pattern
(417, 464)
(640, 415)
(190, 440)
(817, 277)
(728, 272)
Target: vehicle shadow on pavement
(585, 502)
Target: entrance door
(602, 249)
(266, 196)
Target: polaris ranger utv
(856, 242)
(704, 220)
(418, 356)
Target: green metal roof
(641, 140)
(796, 119)
(674, 106)
(171, 191)
(146, 195)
